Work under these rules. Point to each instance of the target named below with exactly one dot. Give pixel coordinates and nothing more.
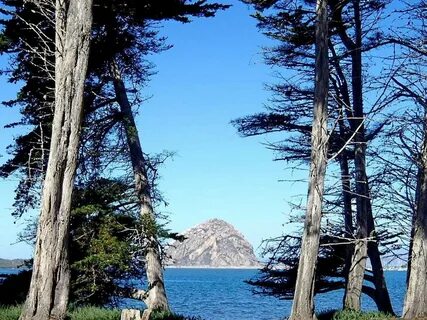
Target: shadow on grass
(353, 315)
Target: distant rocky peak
(214, 243)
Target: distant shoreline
(212, 267)
(11, 263)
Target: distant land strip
(14, 263)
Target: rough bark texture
(48, 293)
(155, 296)
(130, 314)
(303, 305)
(416, 295)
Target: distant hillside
(214, 244)
(15, 263)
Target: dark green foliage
(102, 253)
(122, 31)
(101, 242)
(14, 288)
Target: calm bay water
(221, 294)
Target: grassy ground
(89, 313)
(354, 315)
(93, 313)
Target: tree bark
(364, 208)
(415, 305)
(347, 198)
(381, 297)
(49, 288)
(303, 304)
(156, 294)
(353, 291)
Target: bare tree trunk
(48, 294)
(355, 278)
(413, 222)
(155, 297)
(347, 197)
(415, 306)
(365, 220)
(382, 297)
(303, 304)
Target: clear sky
(213, 74)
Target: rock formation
(214, 243)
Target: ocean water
(221, 294)
(4, 271)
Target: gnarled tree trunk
(416, 295)
(303, 305)
(155, 296)
(48, 294)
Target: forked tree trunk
(48, 294)
(365, 220)
(381, 297)
(155, 296)
(416, 295)
(303, 305)
(353, 291)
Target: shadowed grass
(353, 315)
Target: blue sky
(213, 74)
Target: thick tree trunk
(416, 295)
(155, 296)
(303, 305)
(48, 293)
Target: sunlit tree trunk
(48, 294)
(155, 296)
(416, 295)
(303, 305)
